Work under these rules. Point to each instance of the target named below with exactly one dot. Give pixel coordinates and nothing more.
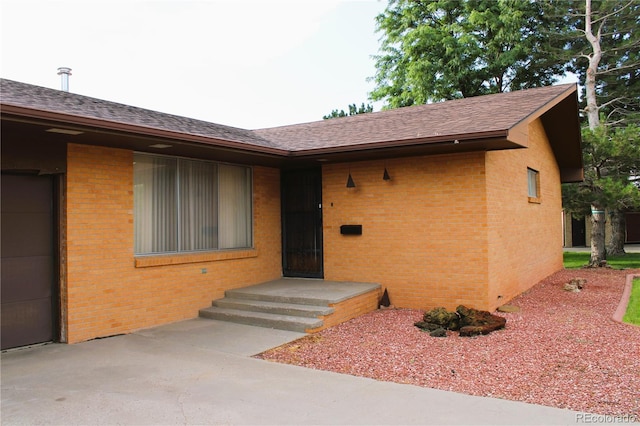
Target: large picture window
(185, 205)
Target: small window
(533, 181)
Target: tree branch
(620, 68)
(610, 102)
(615, 12)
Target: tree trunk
(598, 251)
(618, 234)
(592, 108)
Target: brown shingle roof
(55, 101)
(459, 119)
(480, 123)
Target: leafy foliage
(611, 158)
(353, 110)
(616, 24)
(436, 50)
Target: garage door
(27, 260)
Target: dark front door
(27, 260)
(633, 227)
(578, 237)
(302, 223)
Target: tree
(626, 194)
(436, 50)
(619, 73)
(604, 51)
(605, 57)
(611, 157)
(353, 110)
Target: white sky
(248, 64)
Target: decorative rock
(440, 316)
(474, 322)
(571, 287)
(575, 285)
(470, 322)
(427, 326)
(438, 332)
(508, 309)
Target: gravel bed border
(624, 300)
(562, 349)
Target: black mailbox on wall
(351, 229)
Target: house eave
(93, 124)
(446, 144)
(490, 138)
(138, 138)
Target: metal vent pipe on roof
(64, 73)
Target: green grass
(632, 316)
(580, 259)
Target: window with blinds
(183, 205)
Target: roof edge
(454, 139)
(571, 88)
(69, 120)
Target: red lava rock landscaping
(467, 321)
(561, 349)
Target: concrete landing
(303, 291)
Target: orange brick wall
(106, 293)
(525, 238)
(446, 230)
(449, 229)
(349, 309)
(424, 232)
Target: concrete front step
(295, 304)
(250, 293)
(262, 319)
(292, 309)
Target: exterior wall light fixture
(350, 182)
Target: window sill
(535, 200)
(179, 259)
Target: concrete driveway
(200, 372)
